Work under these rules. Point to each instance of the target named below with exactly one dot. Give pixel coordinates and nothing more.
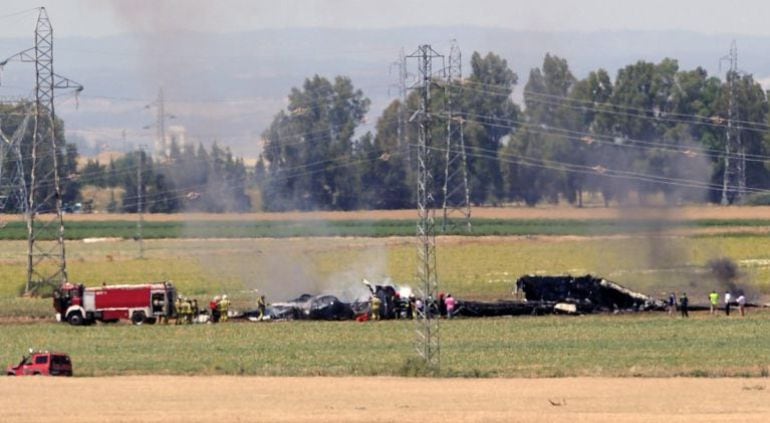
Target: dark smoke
(729, 277)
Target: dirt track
(562, 212)
(247, 399)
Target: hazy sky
(105, 17)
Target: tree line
(654, 130)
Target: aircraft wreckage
(536, 295)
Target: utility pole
(139, 202)
(455, 190)
(734, 176)
(428, 341)
(46, 260)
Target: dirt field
(560, 212)
(241, 399)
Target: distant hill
(227, 87)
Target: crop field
(656, 260)
(645, 345)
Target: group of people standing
(218, 307)
(186, 310)
(410, 307)
(683, 303)
(728, 302)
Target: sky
(96, 18)
(229, 88)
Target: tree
(545, 139)
(490, 114)
(309, 147)
(386, 180)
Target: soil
(376, 399)
(545, 212)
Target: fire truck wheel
(151, 320)
(75, 318)
(137, 318)
(10, 374)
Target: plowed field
(242, 399)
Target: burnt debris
(537, 295)
(587, 293)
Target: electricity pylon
(456, 204)
(428, 341)
(734, 176)
(46, 258)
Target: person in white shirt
(728, 298)
(742, 304)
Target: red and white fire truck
(144, 303)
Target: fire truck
(144, 303)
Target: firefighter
(261, 306)
(194, 311)
(375, 307)
(224, 305)
(178, 310)
(186, 311)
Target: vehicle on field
(145, 303)
(42, 363)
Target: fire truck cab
(143, 303)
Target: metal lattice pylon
(734, 176)
(13, 186)
(456, 205)
(46, 258)
(428, 341)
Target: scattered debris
(541, 295)
(583, 294)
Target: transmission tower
(734, 176)
(428, 345)
(13, 186)
(455, 190)
(161, 146)
(403, 145)
(46, 259)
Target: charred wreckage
(535, 295)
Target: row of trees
(189, 179)
(653, 130)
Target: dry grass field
(248, 399)
(545, 212)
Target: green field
(16, 230)
(468, 267)
(550, 346)
(482, 268)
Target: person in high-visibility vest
(375, 307)
(714, 300)
(261, 306)
(224, 305)
(186, 311)
(178, 310)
